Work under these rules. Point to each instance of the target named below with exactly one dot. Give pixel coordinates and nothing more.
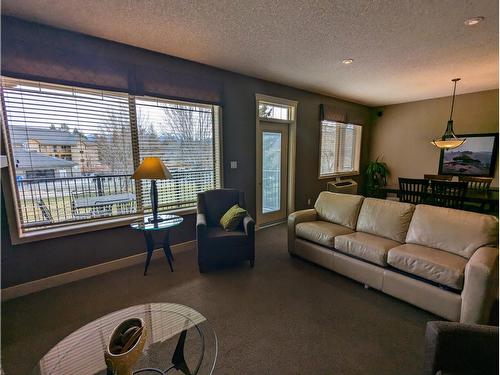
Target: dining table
(488, 198)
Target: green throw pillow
(231, 219)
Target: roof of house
(35, 160)
(44, 136)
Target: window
(184, 136)
(339, 149)
(275, 111)
(74, 150)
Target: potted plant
(376, 177)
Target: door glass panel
(271, 172)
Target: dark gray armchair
(457, 348)
(217, 247)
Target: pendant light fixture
(449, 139)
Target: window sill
(335, 175)
(45, 234)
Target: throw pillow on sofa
(232, 218)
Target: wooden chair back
(448, 194)
(477, 184)
(413, 190)
(439, 177)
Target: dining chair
(478, 186)
(439, 177)
(448, 194)
(413, 190)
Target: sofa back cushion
(456, 231)
(337, 208)
(385, 218)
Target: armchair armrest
(480, 285)
(296, 218)
(460, 348)
(249, 225)
(201, 226)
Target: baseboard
(267, 225)
(83, 273)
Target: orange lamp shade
(152, 168)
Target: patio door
(272, 176)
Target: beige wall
(402, 135)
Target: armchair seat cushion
(220, 237)
(366, 246)
(321, 232)
(431, 264)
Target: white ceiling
(403, 50)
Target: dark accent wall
(234, 92)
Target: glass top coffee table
(179, 340)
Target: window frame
(11, 194)
(356, 171)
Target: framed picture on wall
(475, 157)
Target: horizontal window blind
(73, 151)
(183, 135)
(339, 148)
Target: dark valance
(332, 113)
(37, 62)
(176, 83)
(37, 52)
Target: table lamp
(152, 168)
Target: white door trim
(292, 140)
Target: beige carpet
(285, 316)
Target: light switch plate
(234, 164)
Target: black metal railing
(46, 201)
(271, 190)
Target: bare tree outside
(328, 149)
(188, 134)
(265, 110)
(114, 145)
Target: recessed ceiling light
(347, 61)
(473, 20)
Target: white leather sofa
(442, 260)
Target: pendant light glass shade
(449, 140)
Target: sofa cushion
(431, 264)
(456, 231)
(320, 232)
(337, 208)
(366, 246)
(385, 218)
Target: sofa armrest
(249, 226)
(201, 226)
(296, 218)
(460, 348)
(480, 286)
